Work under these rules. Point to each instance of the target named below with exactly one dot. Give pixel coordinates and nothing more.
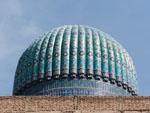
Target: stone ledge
(74, 104)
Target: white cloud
(30, 30)
(14, 29)
(10, 8)
(16, 33)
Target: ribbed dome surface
(75, 53)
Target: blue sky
(23, 21)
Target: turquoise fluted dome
(75, 60)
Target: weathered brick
(132, 112)
(47, 104)
(103, 111)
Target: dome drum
(91, 88)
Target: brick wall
(46, 104)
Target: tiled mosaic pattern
(76, 52)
